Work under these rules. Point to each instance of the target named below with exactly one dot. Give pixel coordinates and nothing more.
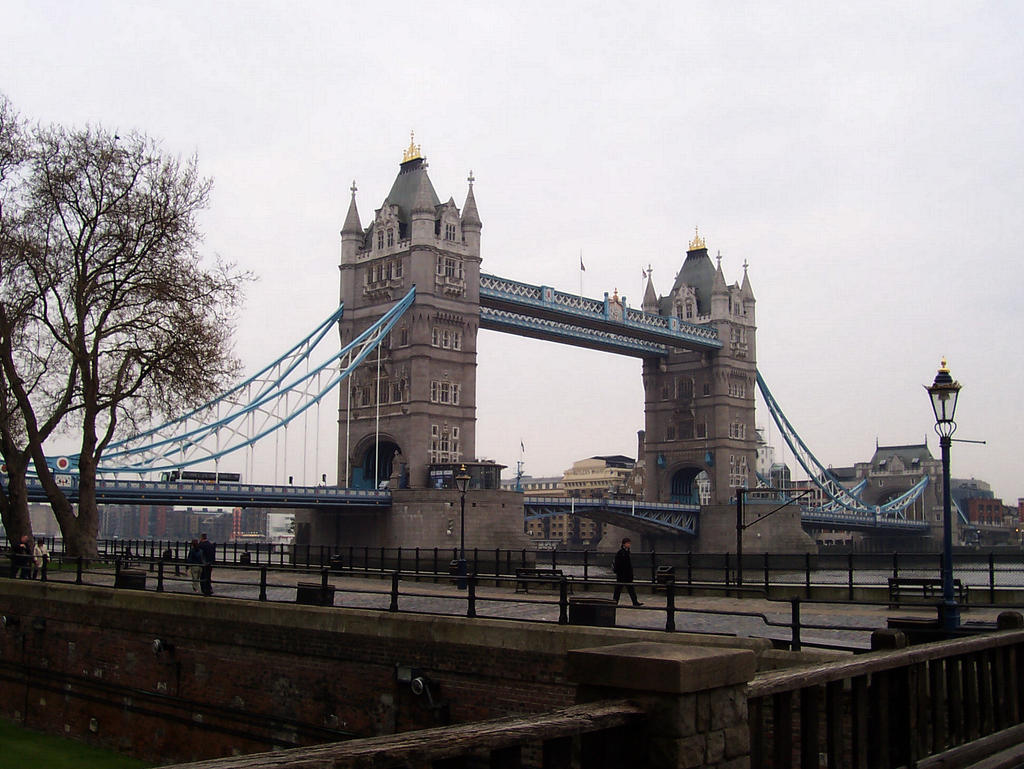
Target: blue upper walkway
(542, 312)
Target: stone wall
(233, 676)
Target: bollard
(394, 592)
(263, 583)
(78, 574)
(160, 576)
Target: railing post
(471, 608)
(563, 601)
(849, 571)
(263, 583)
(991, 578)
(394, 592)
(522, 559)
(807, 573)
(895, 565)
(586, 565)
(78, 571)
(160, 576)
(795, 624)
(767, 575)
(728, 556)
(689, 570)
(398, 560)
(654, 566)
(417, 561)
(323, 580)
(117, 571)
(670, 606)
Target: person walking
(39, 556)
(194, 559)
(21, 559)
(623, 568)
(209, 551)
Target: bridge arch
(374, 461)
(687, 484)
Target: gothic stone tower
(427, 382)
(699, 442)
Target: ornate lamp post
(943, 392)
(462, 483)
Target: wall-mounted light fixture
(160, 645)
(8, 621)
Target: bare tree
(16, 299)
(123, 294)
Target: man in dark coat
(624, 572)
(209, 552)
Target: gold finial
(353, 188)
(470, 178)
(413, 152)
(942, 367)
(698, 241)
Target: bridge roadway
(661, 517)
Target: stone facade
(425, 377)
(700, 439)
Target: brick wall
(244, 676)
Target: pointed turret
(471, 224)
(351, 231)
(719, 292)
(746, 292)
(650, 303)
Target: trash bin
(314, 594)
(337, 563)
(131, 579)
(664, 575)
(245, 558)
(453, 567)
(596, 612)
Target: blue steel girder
(190, 493)
(840, 519)
(662, 516)
(507, 305)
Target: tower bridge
(412, 299)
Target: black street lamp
(462, 483)
(943, 392)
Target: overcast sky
(864, 158)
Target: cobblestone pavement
(845, 625)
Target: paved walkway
(838, 625)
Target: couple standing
(200, 560)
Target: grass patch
(24, 747)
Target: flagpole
(582, 270)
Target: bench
(537, 576)
(921, 590)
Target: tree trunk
(14, 499)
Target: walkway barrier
(946, 704)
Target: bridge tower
(699, 439)
(419, 408)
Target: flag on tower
(522, 448)
(582, 268)
(643, 273)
